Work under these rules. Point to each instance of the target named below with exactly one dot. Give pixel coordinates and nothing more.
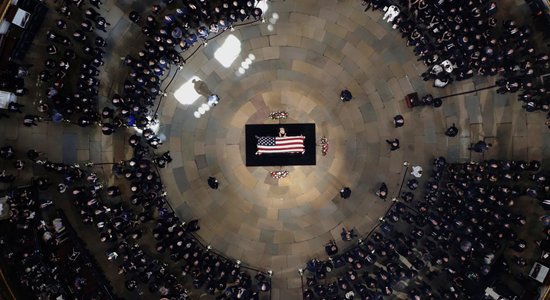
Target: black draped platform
(280, 159)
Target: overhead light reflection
(228, 51)
(186, 93)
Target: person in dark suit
(398, 121)
(345, 96)
(345, 192)
(479, 147)
(394, 145)
(331, 248)
(213, 183)
(193, 225)
(348, 235)
(451, 131)
(382, 192)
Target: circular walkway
(304, 55)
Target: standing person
(33, 154)
(416, 171)
(348, 235)
(451, 131)
(398, 121)
(213, 183)
(193, 225)
(479, 147)
(394, 144)
(213, 100)
(345, 192)
(382, 192)
(346, 95)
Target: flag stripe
(283, 145)
(289, 144)
(280, 148)
(281, 151)
(289, 137)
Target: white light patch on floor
(228, 51)
(186, 93)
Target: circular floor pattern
(304, 56)
(300, 67)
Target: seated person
(412, 184)
(391, 13)
(331, 248)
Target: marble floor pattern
(305, 53)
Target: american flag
(286, 144)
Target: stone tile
(181, 179)
(283, 237)
(472, 105)
(200, 160)
(501, 100)
(333, 54)
(83, 155)
(69, 147)
(249, 32)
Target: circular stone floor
(304, 55)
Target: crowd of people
(74, 56)
(122, 222)
(42, 251)
(445, 245)
(75, 53)
(121, 218)
(460, 40)
(170, 29)
(12, 80)
(72, 96)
